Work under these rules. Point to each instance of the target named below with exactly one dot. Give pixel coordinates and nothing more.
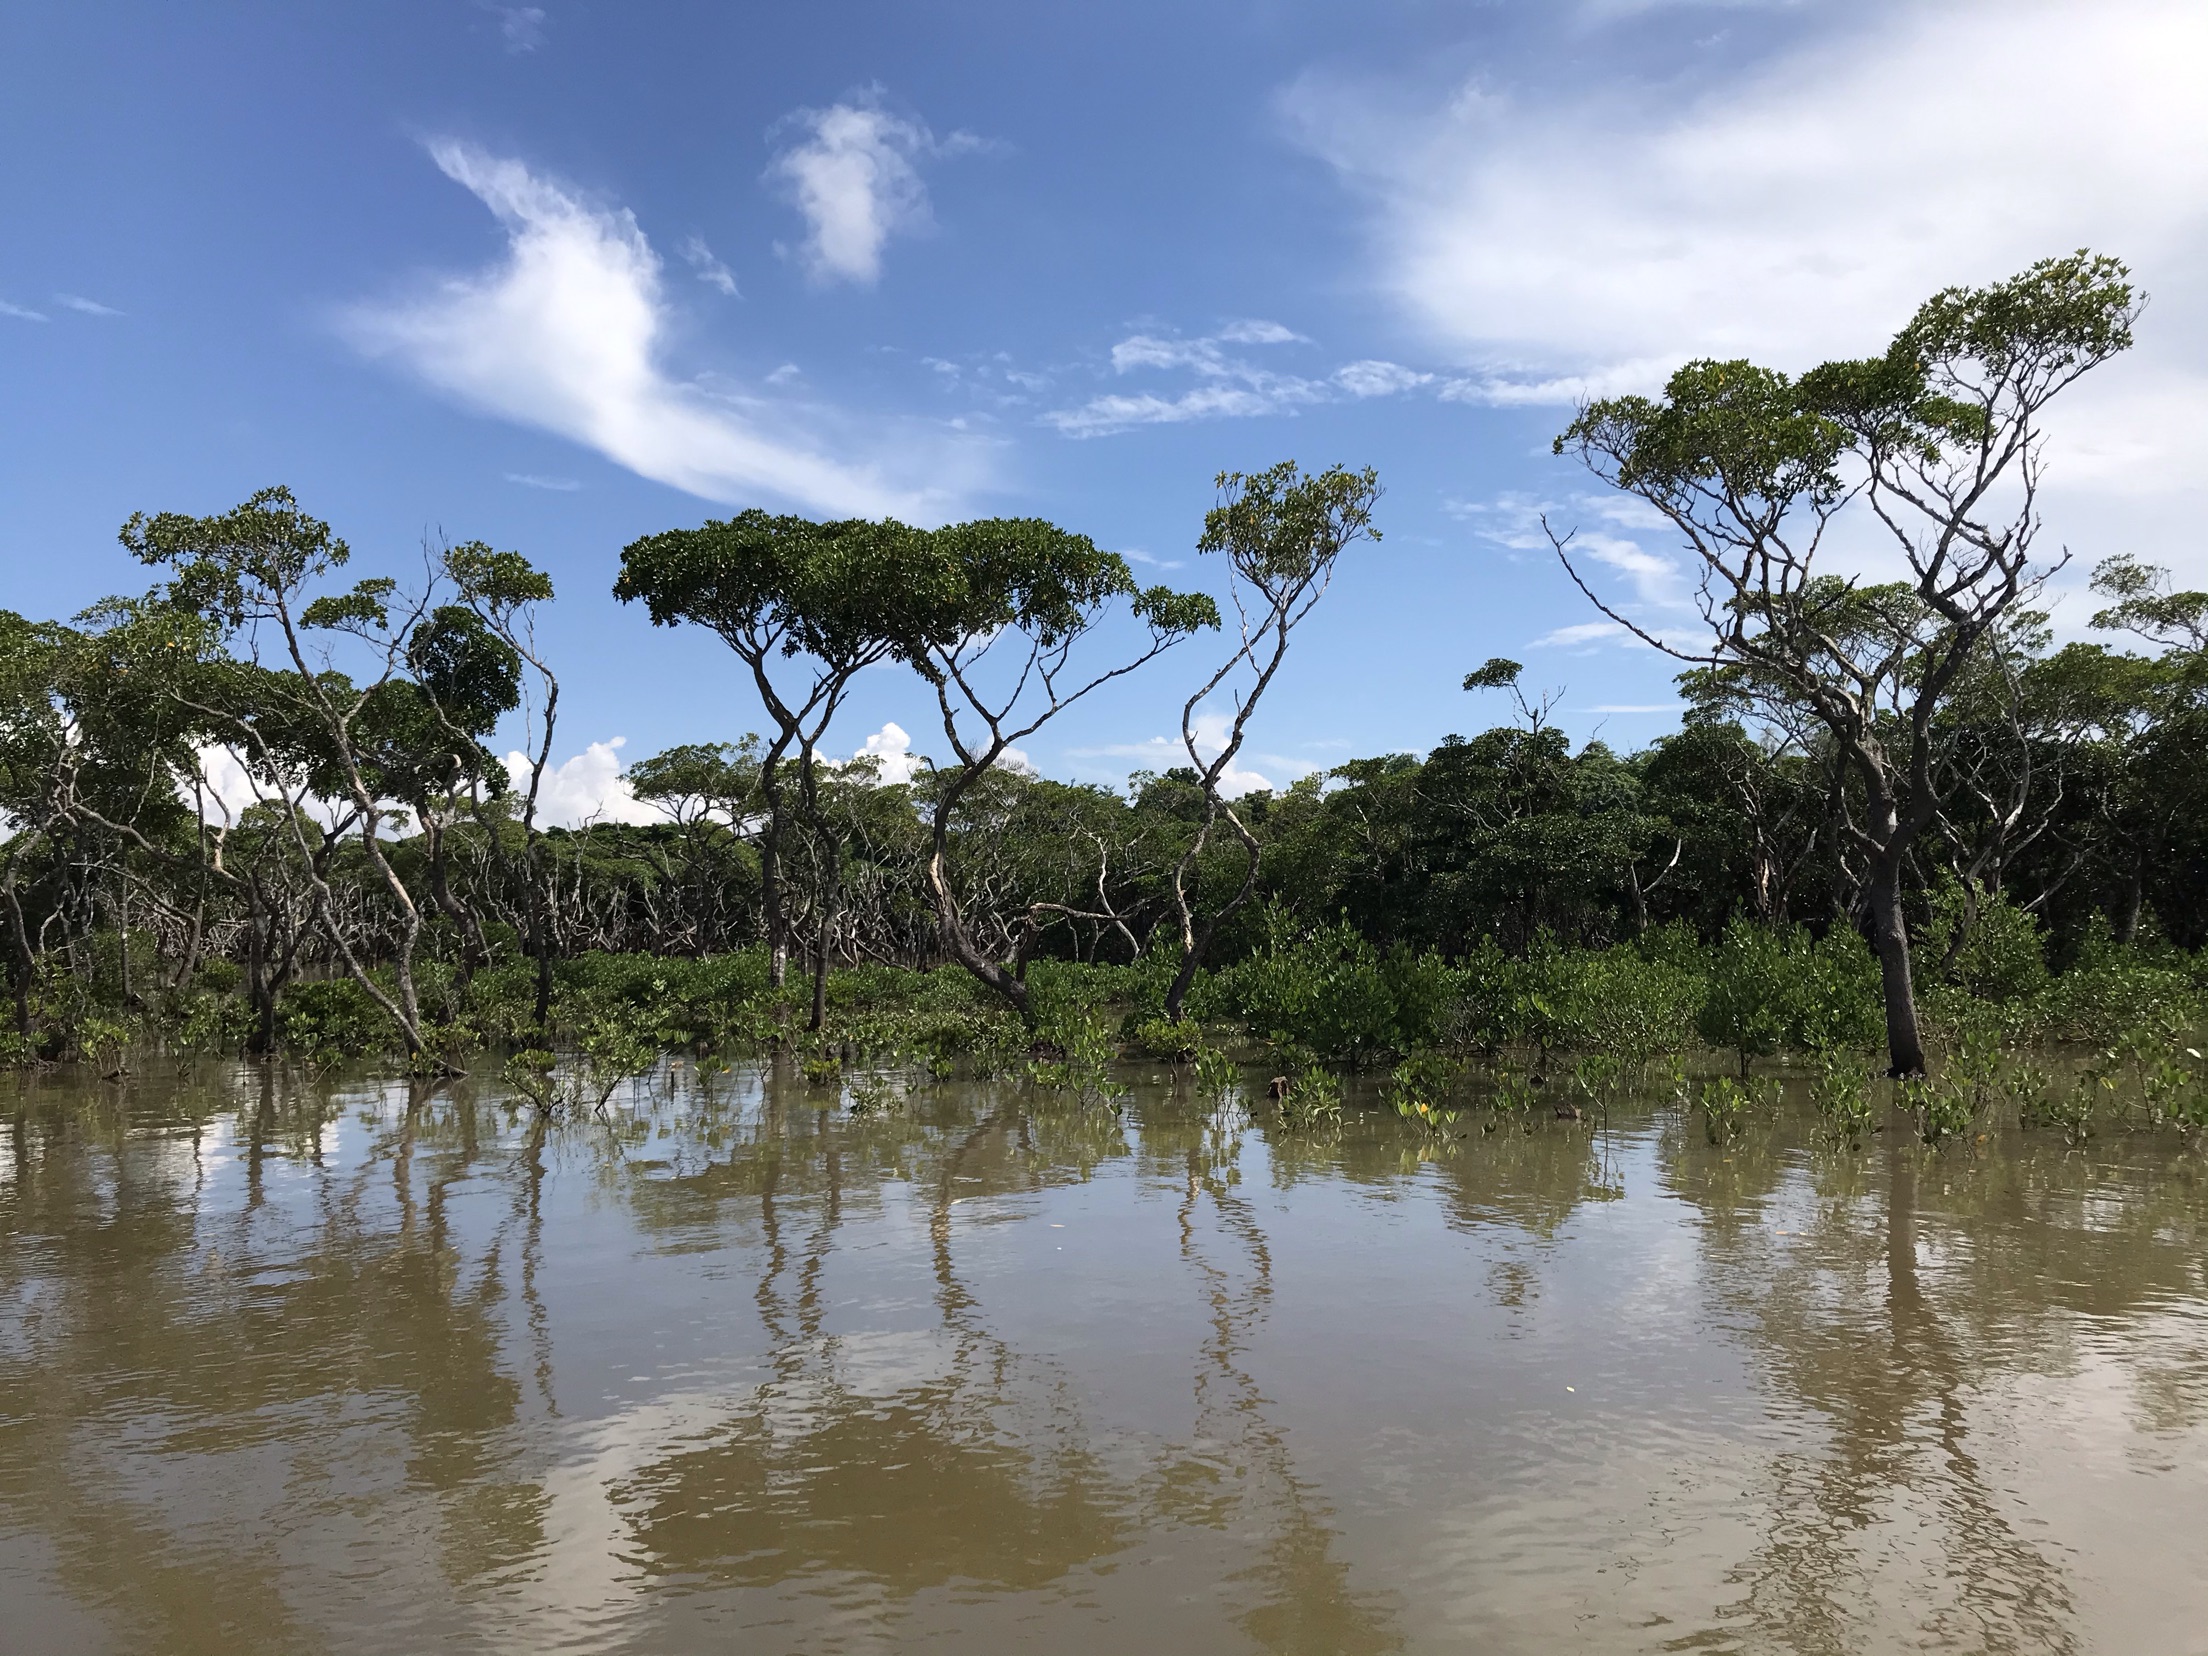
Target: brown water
(294, 1367)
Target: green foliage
(1333, 992)
(330, 1019)
(1083, 1066)
(1841, 1091)
(1772, 988)
(1179, 1041)
(1420, 1087)
(1216, 1073)
(1999, 956)
(1725, 1104)
(617, 1042)
(529, 1073)
(1312, 1097)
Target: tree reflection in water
(326, 1364)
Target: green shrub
(331, 1018)
(1772, 988)
(1334, 993)
(2002, 957)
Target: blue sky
(555, 276)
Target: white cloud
(564, 334)
(1161, 753)
(1378, 379)
(1257, 331)
(587, 787)
(1228, 386)
(1583, 633)
(559, 485)
(19, 312)
(1573, 244)
(852, 174)
(1515, 521)
(1100, 416)
(711, 271)
(522, 27)
(891, 748)
(1800, 208)
(1801, 211)
(83, 306)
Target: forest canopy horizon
(1912, 761)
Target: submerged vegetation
(1901, 836)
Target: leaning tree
(1282, 533)
(1940, 440)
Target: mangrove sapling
(616, 1046)
(2024, 1088)
(104, 1043)
(874, 1095)
(1419, 1087)
(1311, 1096)
(1942, 1109)
(1216, 1073)
(529, 1072)
(1725, 1104)
(1176, 1040)
(1841, 1091)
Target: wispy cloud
(560, 485)
(21, 313)
(1228, 385)
(711, 271)
(1659, 583)
(88, 307)
(853, 173)
(1800, 206)
(1580, 634)
(564, 335)
(521, 27)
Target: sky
(557, 276)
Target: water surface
(299, 1366)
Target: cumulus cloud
(853, 173)
(1211, 730)
(587, 787)
(1228, 386)
(891, 750)
(565, 334)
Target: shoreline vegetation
(1903, 843)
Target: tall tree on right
(1940, 441)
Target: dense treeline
(255, 806)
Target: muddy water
(305, 1367)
